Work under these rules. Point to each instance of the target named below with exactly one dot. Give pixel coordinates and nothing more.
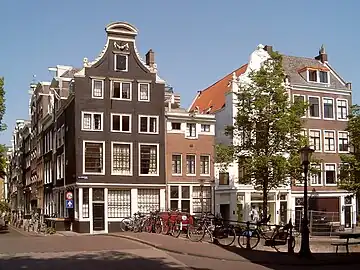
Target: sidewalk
(264, 257)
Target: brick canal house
(190, 141)
(110, 136)
(329, 96)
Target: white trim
(139, 85)
(102, 88)
(194, 100)
(127, 62)
(148, 124)
(209, 157)
(334, 132)
(333, 104)
(157, 158)
(338, 141)
(335, 74)
(92, 121)
(318, 77)
(181, 164)
(318, 130)
(205, 131)
(299, 95)
(335, 167)
(119, 185)
(121, 85)
(321, 176)
(347, 109)
(187, 134)
(320, 110)
(190, 174)
(103, 158)
(320, 89)
(131, 158)
(121, 127)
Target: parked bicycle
(172, 223)
(134, 224)
(153, 223)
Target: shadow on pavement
(4, 231)
(277, 260)
(99, 261)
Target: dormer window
(318, 76)
(323, 76)
(312, 75)
(121, 62)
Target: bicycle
(135, 223)
(172, 224)
(153, 223)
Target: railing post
(291, 238)
(248, 235)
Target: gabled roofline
(335, 73)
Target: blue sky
(195, 42)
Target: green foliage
(4, 207)
(350, 163)
(268, 125)
(2, 125)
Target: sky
(196, 42)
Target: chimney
(322, 57)
(348, 85)
(150, 58)
(268, 48)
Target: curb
(261, 262)
(25, 233)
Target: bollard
(248, 235)
(291, 238)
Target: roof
(214, 95)
(70, 73)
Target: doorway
(347, 211)
(98, 217)
(225, 211)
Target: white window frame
(127, 62)
(181, 163)
(179, 199)
(157, 159)
(299, 95)
(103, 158)
(321, 141)
(209, 161)
(347, 109)
(121, 85)
(317, 76)
(190, 174)
(321, 176)
(139, 86)
(335, 140)
(82, 124)
(320, 110)
(131, 158)
(121, 115)
(333, 104)
(187, 135)
(338, 141)
(102, 88)
(205, 125)
(335, 168)
(148, 124)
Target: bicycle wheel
(224, 236)
(148, 225)
(165, 227)
(125, 225)
(176, 228)
(254, 239)
(195, 232)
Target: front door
(298, 217)
(348, 216)
(225, 211)
(98, 217)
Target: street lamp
(202, 195)
(305, 154)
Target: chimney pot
(268, 48)
(150, 58)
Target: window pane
(97, 121)
(143, 124)
(153, 124)
(116, 122)
(175, 126)
(174, 192)
(185, 206)
(125, 93)
(174, 205)
(86, 123)
(185, 192)
(116, 89)
(93, 157)
(121, 62)
(121, 158)
(144, 91)
(176, 164)
(323, 76)
(119, 203)
(125, 123)
(97, 90)
(148, 200)
(314, 107)
(148, 159)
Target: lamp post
(202, 195)
(305, 154)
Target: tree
(2, 125)
(267, 130)
(350, 163)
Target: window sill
(330, 185)
(149, 133)
(191, 174)
(330, 152)
(149, 175)
(119, 131)
(97, 97)
(205, 175)
(176, 174)
(122, 174)
(121, 99)
(344, 152)
(343, 120)
(191, 138)
(329, 119)
(92, 130)
(315, 117)
(147, 100)
(317, 185)
(92, 173)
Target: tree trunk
(265, 200)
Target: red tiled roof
(214, 95)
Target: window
(312, 75)
(149, 159)
(121, 90)
(93, 161)
(205, 165)
(190, 164)
(343, 138)
(330, 174)
(148, 200)
(342, 109)
(85, 206)
(120, 122)
(121, 62)
(148, 124)
(121, 162)
(144, 92)
(314, 106)
(91, 121)
(224, 179)
(205, 128)
(201, 199)
(176, 164)
(98, 89)
(315, 139)
(119, 203)
(316, 177)
(299, 98)
(328, 108)
(191, 130)
(180, 198)
(329, 141)
(175, 126)
(323, 76)
(62, 167)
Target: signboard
(69, 204)
(69, 195)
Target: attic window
(323, 76)
(318, 76)
(121, 62)
(312, 75)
